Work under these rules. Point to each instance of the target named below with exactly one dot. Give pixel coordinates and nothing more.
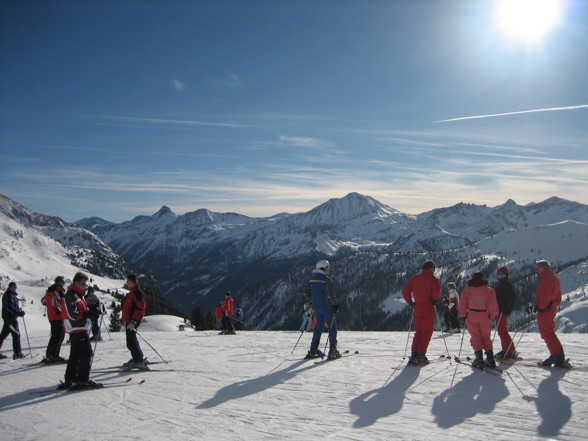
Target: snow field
(249, 387)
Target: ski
(45, 392)
(345, 354)
(123, 368)
(486, 369)
(566, 367)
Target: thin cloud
(300, 141)
(232, 81)
(550, 109)
(178, 85)
(173, 122)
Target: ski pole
(27, 334)
(149, 344)
(95, 343)
(462, 336)
(107, 330)
(496, 328)
(408, 335)
(442, 334)
(297, 341)
(329, 335)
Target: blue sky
(114, 109)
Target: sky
(115, 108)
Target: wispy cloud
(178, 85)
(175, 122)
(550, 109)
(232, 81)
(300, 141)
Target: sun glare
(528, 19)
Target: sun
(528, 19)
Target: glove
(433, 301)
(411, 304)
(130, 326)
(335, 308)
(21, 314)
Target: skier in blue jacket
(320, 291)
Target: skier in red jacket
(228, 306)
(478, 304)
(422, 292)
(52, 300)
(547, 299)
(133, 311)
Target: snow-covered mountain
(198, 255)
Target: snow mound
(164, 323)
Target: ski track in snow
(248, 387)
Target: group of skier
(75, 311)
(477, 305)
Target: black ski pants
(56, 339)
(133, 345)
(11, 327)
(80, 358)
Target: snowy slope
(248, 387)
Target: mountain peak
(163, 211)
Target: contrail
(551, 109)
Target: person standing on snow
(74, 312)
(547, 299)
(505, 296)
(11, 311)
(218, 314)
(95, 312)
(422, 292)
(133, 312)
(454, 301)
(306, 317)
(228, 309)
(478, 305)
(319, 290)
(52, 301)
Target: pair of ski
(486, 369)
(61, 389)
(345, 354)
(124, 368)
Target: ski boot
(139, 365)
(90, 384)
(413, 359)
(65, 384)
(422, 359)
(548, 361)
(478, 361)
(314, 353)
(559, 360)
(18, 355)
(490, 362)
(333, 353)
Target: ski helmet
(323, 264)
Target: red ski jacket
(74, 311)
(228, 304)
(424, 286)
(218, 312)
(548, 291)
(52, 300)
(134, 306)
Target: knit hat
(478, 275)
(543, 264)
(12, 285)
(503, 270)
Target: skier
(478, 305)
(74, 312)
(505, 296)
(133, 311)
(306, 317)
(11, 311)
(52, 301)
(228, 306)
(547, 298)
(454, 301)
(239, 318)
(95, 307)
(218, 314)
(319, 290)
(422, 292)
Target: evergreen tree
(198, 319)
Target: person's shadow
(472, 395)
(385, 401)
(249, 387)
(553, 406)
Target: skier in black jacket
(505, 296)
(11, 310)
